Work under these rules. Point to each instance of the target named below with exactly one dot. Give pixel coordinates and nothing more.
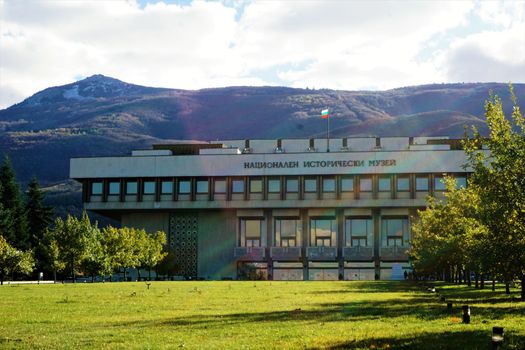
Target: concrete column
(158, 189)
(140, 189)
(393, 186)
(306, 239)
(340, 239)
(122, 192)
(86, 190)
(269, 239)
(193, 188)
(105, 190)
(211, 188)
(376, 217)
(356, 186)
(175, 189)
(412, 184)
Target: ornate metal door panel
(183, 240)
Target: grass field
(254, 315)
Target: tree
(120, 247)
(94, 262)
(13, 260)
(72, 239)
(499, 176)
(51, 250)
(442, 238)
(152, 250)
(39, 217)
(11, 199)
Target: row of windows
(327, 185)
(323, 232)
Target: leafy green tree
(13, 260)
(39, 217)
(94, 262)
(499, 176)
(442, 238)
(72, 239)
(51, 250)
(152, 251)
(120, 247)
(11, 199)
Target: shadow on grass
(373, 287)
(419, 308)
(473, 339)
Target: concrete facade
(277, 209)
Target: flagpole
(328, 134)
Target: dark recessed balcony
(322, 253)
(286, 253)
(249, 253)
(358, 253)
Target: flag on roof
(324, 113)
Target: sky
(186, 44)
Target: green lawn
(254, 315)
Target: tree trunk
(125, 275)
(55, 276)
(482, 282)
(149, 273)
(476, 276)
(138, 273)
(507, 287)
(469, 279)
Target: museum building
(287, 209)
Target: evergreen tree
(38, 219)
(11, 199)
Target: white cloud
(488, 56)
(332, 44)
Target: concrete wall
(151, 222)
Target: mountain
(104, 116)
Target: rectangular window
(287, 232)
(347, 184)
(323, 232)
(328, 185)
(202, 186)
(96, 188)
(114, 188)
(255, 186)
(422, 183)
(184, 187)
(310, 185)
(439, 184)
(461, 182)
(166, 187)
(251, 230)
(220, 186)
(365, 184)
(384, 183)
(358, 232)
(238, 186)
(403, 183)
(394, 232)
(274, 186)
(292, 185)
(149, 187)
(131, 187)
